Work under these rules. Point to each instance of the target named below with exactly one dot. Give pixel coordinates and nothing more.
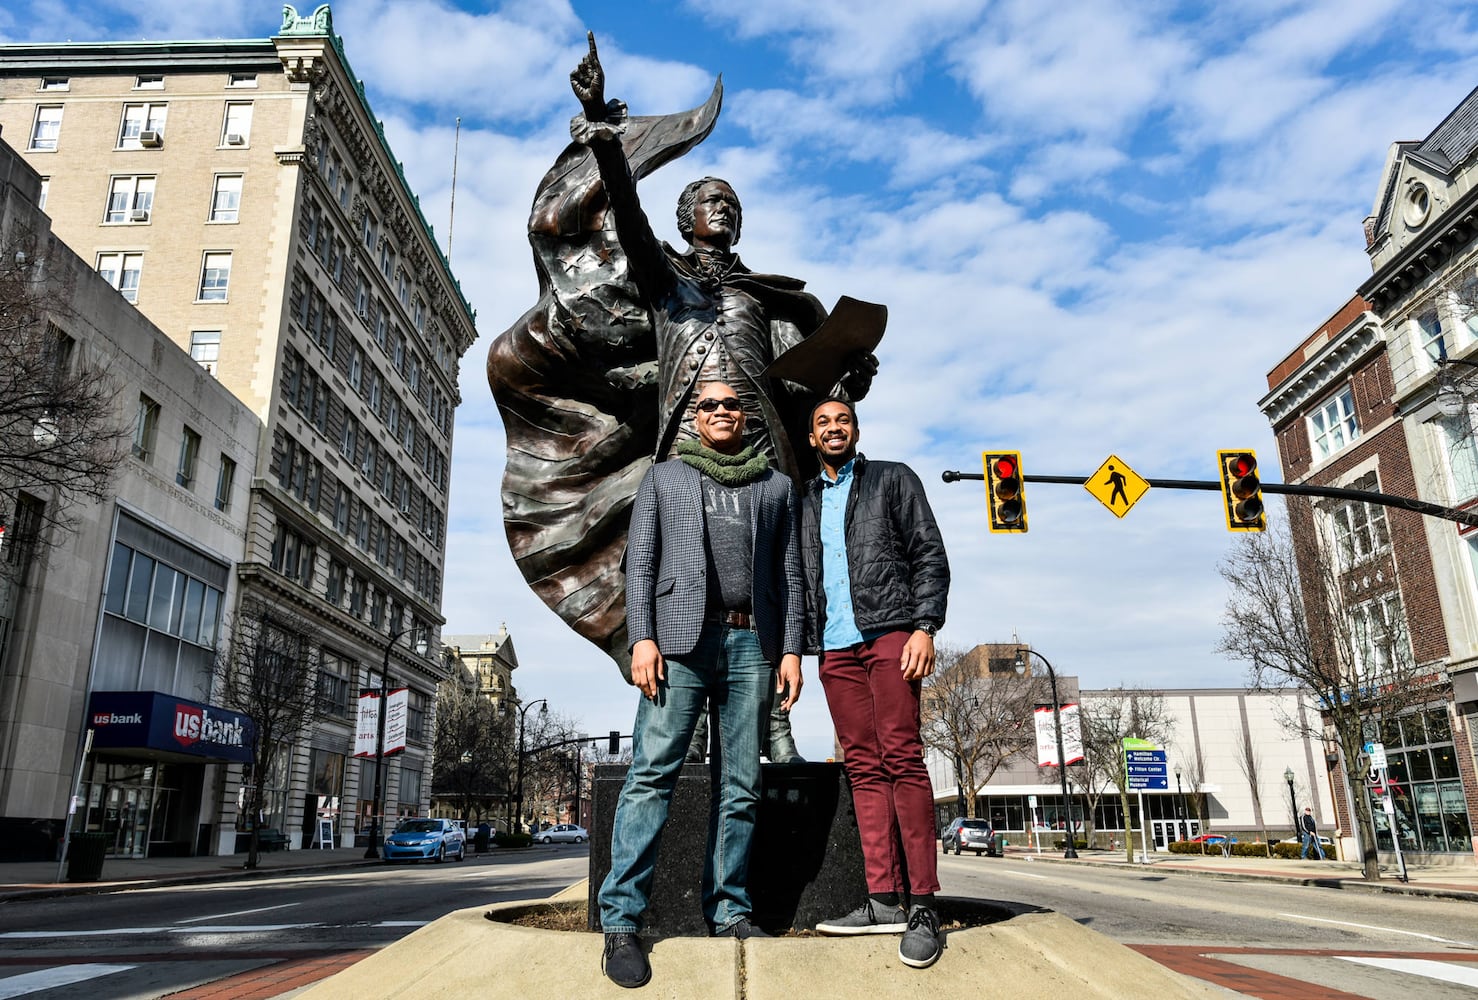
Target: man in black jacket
(877, 580)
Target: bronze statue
(597, 380)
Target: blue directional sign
(1147, 770)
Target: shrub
(1061, 845)
(512, 839)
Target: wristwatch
(927, 627)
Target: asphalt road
(1341, 942)
(153, 942)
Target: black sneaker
(741, 929)
(871, 917)
(624, 963)
(920, 946)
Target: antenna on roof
(452, 212)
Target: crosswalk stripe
(49, 979)
(1463, 974)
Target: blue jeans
(728, 665)
(1311, 839)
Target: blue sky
(1097, 227)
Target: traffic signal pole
(1467, 517)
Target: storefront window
(1426, 792)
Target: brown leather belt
(738, 619)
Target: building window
(356, 368)
(1430, 336)
(143, 126)
(243, 80)
(334, 588)
(415, 720)
(224, 481)
(342, 502)
(356, 597)
(45, 190)
(1425, 785)
(47, 128)
(374, 392)
(333, 690)
(367, 230)
(347, 439)
(1360, 529)
(122, 271)
(215, 277)
(236, 131)
(387, 260)
(419, 312)
(148, 81)
(293, 555)
(382, 325)
(1378, 630)
(205, 348)
(225, 199)
(410, 784)
(145, 427)
(55, 83)
(189, 456)
(130, 199)
(1332, 425)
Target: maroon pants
(876, 714)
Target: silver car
(564, 833)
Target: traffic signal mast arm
(1467, 517)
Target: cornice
(1315, 376)
(1450, 232)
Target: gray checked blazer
(667, 569)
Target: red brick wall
(1331, 327)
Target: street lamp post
(1292, 801)
(1180, 810)
(373, 850)
(1072, 850)
(518, 785)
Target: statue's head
(708, 213)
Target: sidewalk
(37, 879)
(1459, 882)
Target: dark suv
(968, 835)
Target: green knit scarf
(730, 470)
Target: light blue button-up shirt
(836, 579)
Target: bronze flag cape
(575, 380)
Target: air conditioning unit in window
(139, 215)
(235, 139)
(149, 137)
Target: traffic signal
(1005, 492)
(613, 746)
(1241, 491)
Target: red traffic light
(1241, 465)
(1003, 488)
(1241, 491)
(1005, 467)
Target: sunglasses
(729, 403)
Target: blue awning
(148, 720)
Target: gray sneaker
(920, 946)
(869, 918)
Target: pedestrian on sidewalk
(1310, 834)
(713, 606)
(877, 579)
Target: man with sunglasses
(713, 605)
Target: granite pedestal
(807, 861)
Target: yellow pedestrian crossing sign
(1116, 486)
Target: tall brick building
(243, 197)
(1372, 401)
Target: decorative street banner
(395, 720)
(1072, 736)
(367, 728)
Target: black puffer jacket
(895, 555)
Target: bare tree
(268, 671)
(470, 748)
(1108, 719)
(1317, 608)
(1249, 762)
(977, 718)
(62, 437)
(548, 768)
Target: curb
(1354, 884)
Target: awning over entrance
(148, 720)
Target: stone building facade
(242, 195)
